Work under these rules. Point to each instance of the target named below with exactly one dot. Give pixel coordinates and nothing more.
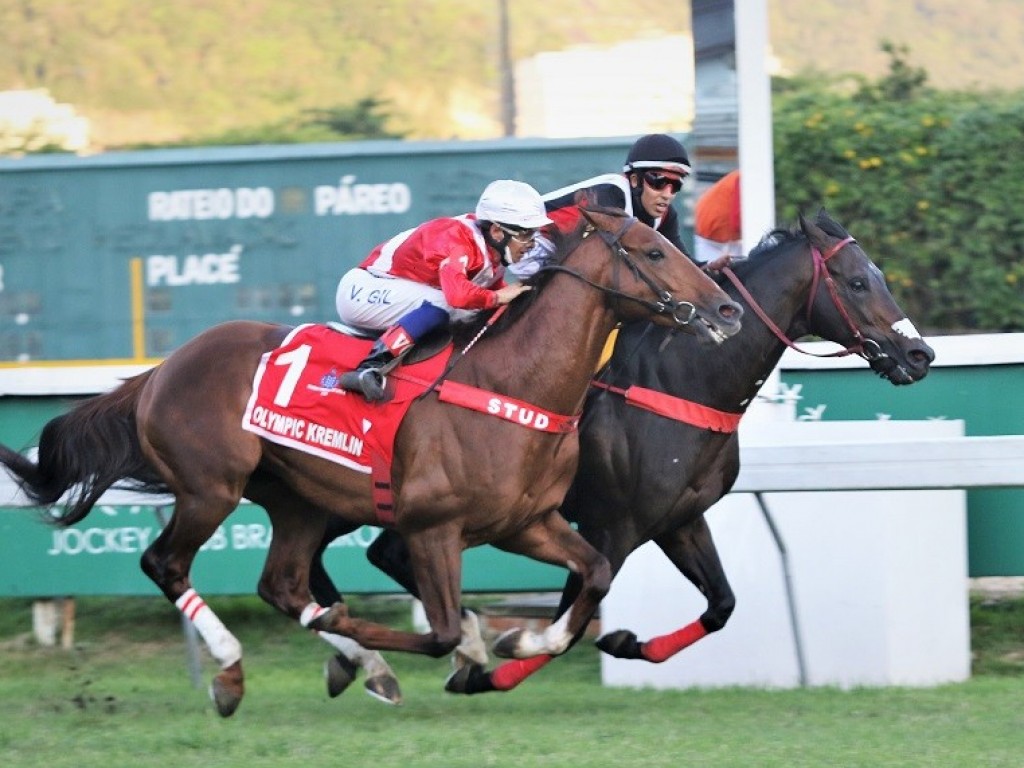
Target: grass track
(123, 698)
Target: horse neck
(727, 377)
(547, 357)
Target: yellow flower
(1011, 278)
(927, 121)
(832, 189)
(865, 164)
(921, 150)
(849, 154)
(906, 157)
(923, 205)
(875, 161)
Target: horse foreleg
(389, 553)
(531, 651)
(552, 540)
(692, 550)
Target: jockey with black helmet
(656, 166)
(653, 174)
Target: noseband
(866, 348)
(682, 312)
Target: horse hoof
(471, 650)
(227, 689)
(468, 680)
(507, 643)
(622, 644)
(384, 688)
(339, 672)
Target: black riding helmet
(657, 150)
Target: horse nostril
(730, 311)
(922, 357)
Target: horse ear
(823, 217)
(814, 233)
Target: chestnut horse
(646, 476)
(460, 478)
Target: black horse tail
(85, 451)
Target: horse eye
(655, 255)
(859, 285)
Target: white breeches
(366, 301)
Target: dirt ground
(997, 586)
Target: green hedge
(931, 185)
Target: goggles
(658, 181)
(521, 236)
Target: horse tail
(85, 451)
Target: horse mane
(773, 241)
(564, 243)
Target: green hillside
(161, 70)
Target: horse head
(648, 277)
(851, 304)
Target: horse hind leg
(341, 669)
(437, 571)
(168, 561)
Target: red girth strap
(504, 407)
(677, 408)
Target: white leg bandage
(311, 612)
(222, 644)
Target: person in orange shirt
(718, 236)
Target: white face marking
(906, 328)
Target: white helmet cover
(513, 203)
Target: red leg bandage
(657, 649)
(512, 673)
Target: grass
(122, 697)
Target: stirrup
(369, 381)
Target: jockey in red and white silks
(444, 261)
(443, 269)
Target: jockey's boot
(368, 377)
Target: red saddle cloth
(296, 401)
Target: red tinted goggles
(658, 181)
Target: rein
(666, 305)
(866, 348)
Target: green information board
(126, 256)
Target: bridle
(866, 348)
(683, 312)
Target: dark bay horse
(460, 478)
(647, 476)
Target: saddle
(433, 344)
